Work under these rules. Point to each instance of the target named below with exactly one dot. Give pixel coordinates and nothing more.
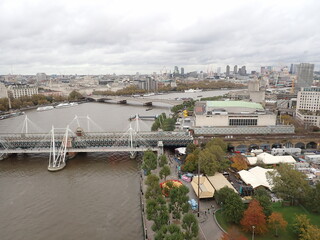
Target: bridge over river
(146, 101)
(64, 143)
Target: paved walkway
(208, 229)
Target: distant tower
(227, 70)
(304, 75)
(182, 71)
(176, 70)
(243, 71)
(235, 69)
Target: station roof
(233, 104)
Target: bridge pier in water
(149, 104)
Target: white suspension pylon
(137, 123)
(57, 160)
(88, 123)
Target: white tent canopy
(256, 177)
(181, 150)
(269, 159)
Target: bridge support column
(147, 104)
(160, 148)
(123, 102)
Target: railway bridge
(146, 101)
(63, 143)
(244, 143)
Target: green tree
(163, 160)
(310, 233)
(171, 232)
(217, 142)
(313, 199)
(289, 183)
(191, 162)
(276, 221)
(164, 172)
(74, 96)
(190, 148)
(264, 199)
(190, 226)
(153, 187)
(301, 223)
(158, 212)
(149, 162)
(233, 208)
(223, 194)
(208, 162)
(179, 201)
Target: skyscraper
(243, 71)
(227, 70)
(235, 69)
(304, 75)
(182, 71)
(176, 70)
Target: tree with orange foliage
(239, 162)
(233, 234)
(254, 219)
(276, 221)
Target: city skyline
(125, 37)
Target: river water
(95, 197)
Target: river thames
(95, 197)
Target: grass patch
(288, 214)
(223, 223)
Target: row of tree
(166, 213)
(206, 84)
(130, 90)
(211, 158)
(257, 217)
(164, 123)
(36, 100)
(292, 186)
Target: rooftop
(240, 104)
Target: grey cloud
(55, 35)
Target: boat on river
(64, 105)
(192, 90)
(10, 115)
(46, 108)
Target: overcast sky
(129, 36)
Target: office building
(17, 91)
(236, 117)
(293, 69)
(182, 71)
(3, 91)
(235, 69)
(243, 71)
(308, 106)
(304, 75)
(228, 71)
(176, 70)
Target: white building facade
(17, 91)
(308, 106)
(233, 113)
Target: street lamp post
(198, 188)
(253, 227)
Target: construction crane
(293, 83)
